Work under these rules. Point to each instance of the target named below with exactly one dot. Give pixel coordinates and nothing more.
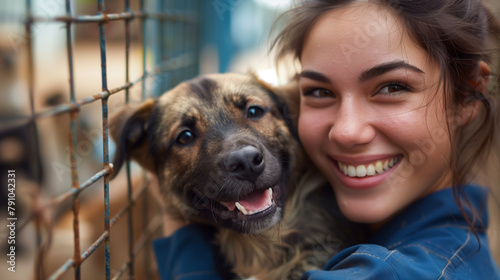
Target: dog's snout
(246, 163)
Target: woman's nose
(352, 125)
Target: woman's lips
(370, 169)
(366, 175)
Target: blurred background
(149, 47)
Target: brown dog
(224, 150)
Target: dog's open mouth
(253, 206)
(256, 202)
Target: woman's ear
(479, 82)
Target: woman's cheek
(311, 129)
(303, 128)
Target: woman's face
(372, 115)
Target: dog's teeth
(241, 208)
(270, 197)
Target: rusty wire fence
(164, 34)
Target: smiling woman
(392, 93)
(377, 110)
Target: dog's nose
(246, 163)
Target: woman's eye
(185, 137)
(319, 92)
(394, 89)
(255, 112)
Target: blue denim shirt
(428, 240)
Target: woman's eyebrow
(367, 74)
(314, 76)
(387, 67)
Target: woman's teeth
(372, 169)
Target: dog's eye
(255, 112)
(185, 137)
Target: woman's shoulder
(417, 258)
(450, 251)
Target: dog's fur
(217, 139)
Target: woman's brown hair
(458, 35)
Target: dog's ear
(290, 94)
(287, 97)
(129, 128)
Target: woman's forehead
(359, 35)
(360, 11)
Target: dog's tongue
(254, 202)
